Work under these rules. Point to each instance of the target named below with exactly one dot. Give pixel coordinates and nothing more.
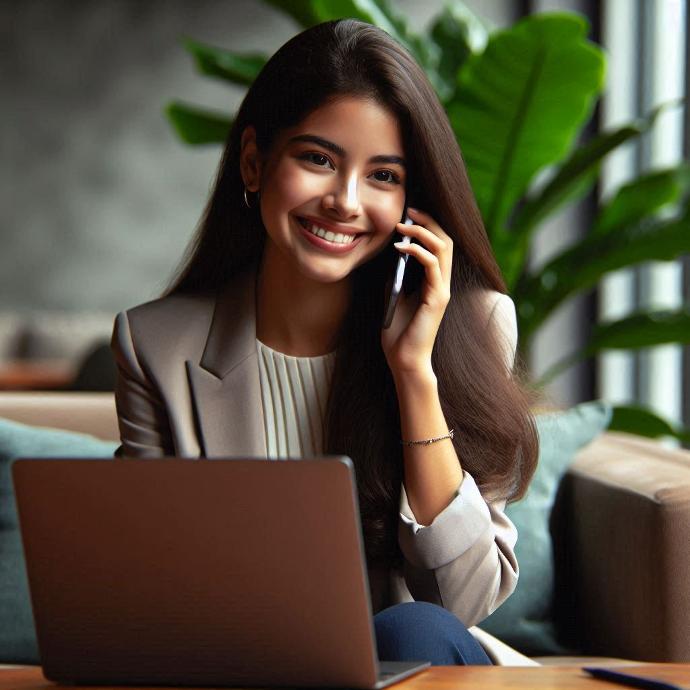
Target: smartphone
(398, 276)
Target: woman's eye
(316, 158)
(387, 176)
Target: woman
(269, 342)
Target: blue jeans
(420, 631)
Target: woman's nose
(344, 197)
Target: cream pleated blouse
(294, 393)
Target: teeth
(336, 238)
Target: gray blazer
(188, 385)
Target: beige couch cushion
(88, 413)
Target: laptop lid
(197, 572)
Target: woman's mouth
(328, 235)
(333, 242)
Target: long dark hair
(495, 437)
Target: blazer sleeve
(503, 320)
(465, 560)
(142, 417)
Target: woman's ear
(250, 164)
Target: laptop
(231, 572)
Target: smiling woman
(269, 341)
(322, 176)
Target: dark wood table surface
(447, 678)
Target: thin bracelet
(427, 441)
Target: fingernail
(411, 208)
(400, 245)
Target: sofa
(620, 530)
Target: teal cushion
(523, 621)
(17, 635)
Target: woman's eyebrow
(340, 151)
(388, 159)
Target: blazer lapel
(225, 385)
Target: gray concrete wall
(99, 197)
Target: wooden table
(447, 678)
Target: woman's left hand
(410, 339)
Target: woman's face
(339, 173)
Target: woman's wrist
(413, 380)
(432, 470)
(421, 416)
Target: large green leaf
(196, 126)
(516, 111)
(232, 67)
(581, 266)
(458, 33)
(571, 181)
(579, 171)
(305, 12)
(637, 420)
(642, 197)
(643, 329)
(640, 330)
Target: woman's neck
(295, 315)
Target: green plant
(519, 100)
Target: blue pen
(630, 679)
